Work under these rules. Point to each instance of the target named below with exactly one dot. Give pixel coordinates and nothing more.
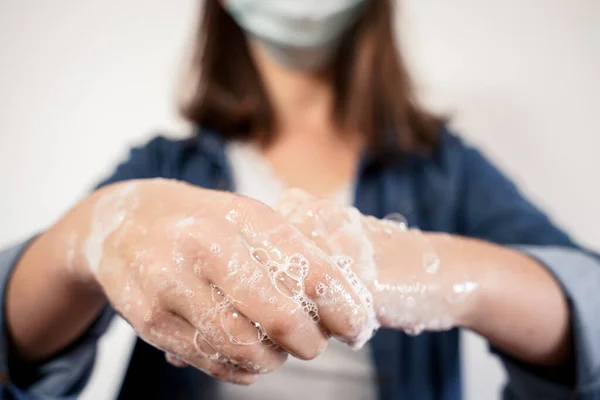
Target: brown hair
(373, 91)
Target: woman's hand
(428, 281)
(218, 281)
(411, 288)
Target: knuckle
(219, 371)
(149, 322)
(282, 327)
(152, 324)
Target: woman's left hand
(410, 286)
(430, 281)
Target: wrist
(470, 274)
(82, 236)
(62, 247)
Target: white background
(81, 81)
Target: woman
(311, 95)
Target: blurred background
(82, 81)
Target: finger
(223, 332)
(232, 269)
(178, 339)
(301, 272)
(175, 361)
(338, 231)
(274, 300)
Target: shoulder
(450, 153)
(446, 178)
(445, 165)
(160, 157)
(455, 159)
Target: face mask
(299, 34)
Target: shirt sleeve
(65, 375)
(493, 209)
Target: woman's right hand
(216, 280)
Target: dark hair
(373, 90)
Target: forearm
(49, 301)
(54, 295)
(518, 305)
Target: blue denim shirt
(455, 190)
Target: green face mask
(299, 34)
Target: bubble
(470, 286)
(297, 271)
(233, 267)
(441, 323)
(298, 259)
(186, 222)
(414, 330)
(203, 347)
(320, 288)
(215, 248)
(189, 293)
(217, 294)
(398, 220)
(342, 261)
(458, 288)
(148, 316)
(179, 259)
(261, 256)
(460, 291)
(311, 310)
(232, 216)
(255, 277)
(239, 329)
(431, 262)
(287, 285)
(352, 278)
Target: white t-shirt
(338, 373)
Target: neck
(302, 101)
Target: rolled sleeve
(8, 260)
(578, 274)
(62, 377)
